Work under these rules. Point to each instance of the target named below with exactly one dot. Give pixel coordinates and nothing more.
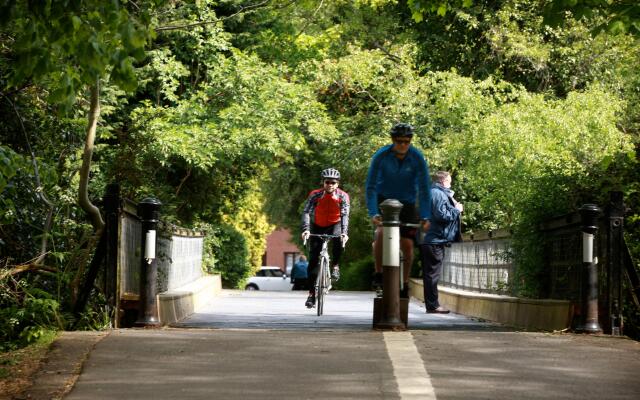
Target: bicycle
(323, 282)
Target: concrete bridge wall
(533, 314)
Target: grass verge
(17, 367)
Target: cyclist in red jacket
(326, 211)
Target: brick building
(280, 251)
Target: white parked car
(269, 278)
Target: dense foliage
(228, 110)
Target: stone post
(390, 314)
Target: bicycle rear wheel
(322, 285)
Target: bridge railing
(481, 263)
(179, 259)
(179, 255)
(564, 259)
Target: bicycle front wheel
(322, 285)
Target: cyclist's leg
(336, 251)
(315, 245)
(377, 256)
(408, 214)
(406, 245)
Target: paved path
(286, 310)
(268, 346)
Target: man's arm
(306, 213)
(443, 210)
(370, 186)
(345, 208)
(424, 187)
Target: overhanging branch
(26, 267)
(242, 10)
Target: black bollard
(589, 293)
(390, 313)
(149, 211)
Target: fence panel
(179, 259)
(179, 254)
(482, 265)
(129, 255)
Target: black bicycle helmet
(402, 130)
(330, 173)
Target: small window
(276, 273)
(261, 273)
(289, 260)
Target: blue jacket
(403, 180)
(445, 217)
(299, 270)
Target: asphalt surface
(268, 346)
(286, 310)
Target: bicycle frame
(323, 281)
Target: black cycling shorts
(408, 215)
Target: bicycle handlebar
(324, 237)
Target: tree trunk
(83, 192)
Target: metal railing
(562, 245)
(481, 263)
(179, 257)
(129, 253)
(179, 254)
(563, 259)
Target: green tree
(621, 16)
(72, 45)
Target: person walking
(399, 171)
(326, 211)
(299, 274)
(445, 229)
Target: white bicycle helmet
(330, 173)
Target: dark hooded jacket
(445, 217)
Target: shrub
(24, 319)
(356, 275)
(231, 255)
(536, 158)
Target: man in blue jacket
(445, 229)
(399, 171)
(299, 274)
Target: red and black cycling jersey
(326, 209)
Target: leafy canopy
(622, 16)
(71, 43)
